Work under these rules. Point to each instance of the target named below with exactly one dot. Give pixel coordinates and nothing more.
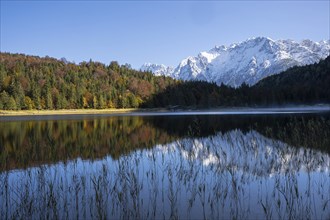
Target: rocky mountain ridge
(245, 62)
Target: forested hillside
(310, 83)
(30, 82)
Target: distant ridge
(245, 62)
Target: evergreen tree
(11, 105)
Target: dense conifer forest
(31, 82)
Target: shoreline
(128, 111)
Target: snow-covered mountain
(248, 61)
(157, 69)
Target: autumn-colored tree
(28, 103)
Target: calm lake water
(196, 166)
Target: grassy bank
(65, 112)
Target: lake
(178, 165)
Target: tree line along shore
(34, 83)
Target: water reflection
(204, 167)
(30, 143)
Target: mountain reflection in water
(210, 167)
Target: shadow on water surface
(205, 167)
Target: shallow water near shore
(197, 164)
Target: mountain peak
(258, 39)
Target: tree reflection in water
(157, 167)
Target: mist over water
(205, 166)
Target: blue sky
(165, 32)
